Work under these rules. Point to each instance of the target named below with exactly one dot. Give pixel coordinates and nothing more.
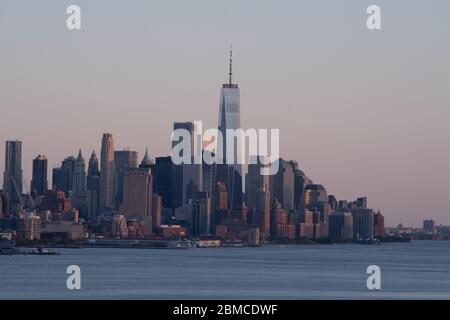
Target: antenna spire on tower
(231, 64)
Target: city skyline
(336, 114)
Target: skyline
(395, 131)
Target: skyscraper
(262, 210)
(314, 194)
(156, 212)
(79, 197)
(363, 223)
(378, 224)
(107, 171)
(39, 182)
(201, 214)
(163, 178)
(123, 160)
(230, 118)
(188, 177)
(4, 205)
(256, 182)
(282, 184)
(12, 176)
(137, 194)
(93, 185)
(63, 176)
(300, 182)
(341, 226)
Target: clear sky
(363, 112)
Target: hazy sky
(363, 112)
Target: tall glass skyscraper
(12, 177)
(93, 185)
(39, 182)
(230, 118)
(107, 171)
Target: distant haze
(365, 113)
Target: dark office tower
(107, 174)
(363, 223)
(282, 185)
(39, 182)
(256, 182)
(428, 224)
(263, 213)
(12, 176)
(79, 196)
(187, 176)
(4, 204)
(343, 206)
(378, 225)
(209, 175)
(63, 176)
(93, 185)
(361, 202)
(201, 214)
(230, 118)
(123, 160)
(333, 203)
(164, 169)
(341, 226)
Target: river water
(416, 270)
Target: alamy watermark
(238, 147)
(374, 280)
(73, 281)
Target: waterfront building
(341, 226)
(363, 223)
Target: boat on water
(180, 244)
(208, 243)
(7, 247)
(42, 252)
(367, 241)
(233, 244)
